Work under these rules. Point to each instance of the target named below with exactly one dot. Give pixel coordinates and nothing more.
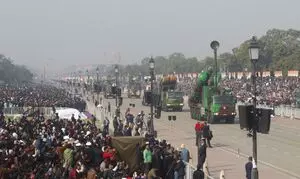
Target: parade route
(278, 152)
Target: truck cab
(172, 100)
(222, 109)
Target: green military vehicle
(210, 103)
(170, 98)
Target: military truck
(170, 97)
(209, 102)
(110, 91)
(134, 88)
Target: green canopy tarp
(127, 150)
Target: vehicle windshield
(223, 99)
(175, 94)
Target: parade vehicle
(168, 94)
(147, 96)
(134, 88)
(110, 91)
(209, 102)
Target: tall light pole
(88, 79)
(254, 56)
(151, 68)
(215, 45)
(97, 73)
(117, 88)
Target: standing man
(185, 154)
(248, 168)
(108, 107)
(106, 126)
(207, 134)
(147, 155)
(202, 152)
(198, 130)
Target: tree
(10, 73)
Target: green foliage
(280, 50)
(11, 73)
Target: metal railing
(190, 169)
(20, 110)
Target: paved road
(278, 152)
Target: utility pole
(254, 55)
(97, 89)
(151, 68)
(117, 89)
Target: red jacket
(199, 127)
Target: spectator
(198, 174)
(248, 168)
(185, 154)
(147, 155)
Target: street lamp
(117, 86)
(254, 56)
(88, 80)
(215, 45)
(98, 86)
(151, 69)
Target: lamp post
(117, 86)
(151, 68)
(97, 82)
(254, 56)
(88, 80)
(215, 45)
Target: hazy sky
(65, 32)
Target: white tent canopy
(68, 112)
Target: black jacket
(198, 174)
(206, 132)
(248, 168)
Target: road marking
(228, 150)
(231, 151)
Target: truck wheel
(211, 120)
(230, 120)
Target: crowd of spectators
(270, 90)
(56, 148)
(38, 96)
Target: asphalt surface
(278, 151)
